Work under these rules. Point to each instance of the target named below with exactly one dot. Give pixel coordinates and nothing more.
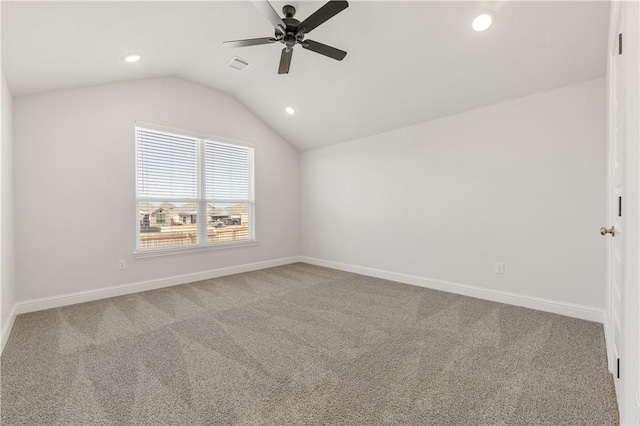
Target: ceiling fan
(290, 31)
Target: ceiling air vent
(238, 64)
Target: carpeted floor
(300, 344)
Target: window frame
(201, 201)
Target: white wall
(7, 266)
(75, 183)
(522, 182)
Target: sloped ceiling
(407, 62)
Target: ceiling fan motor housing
(291, 37)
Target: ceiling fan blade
(269, 12)
(323, 49)
(249, 42)
(322, 15)
(285, 60)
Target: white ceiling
(407, 62)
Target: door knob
(605, 231)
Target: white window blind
(227, 171)
(167, 165)
(192, 191)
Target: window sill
(195, 249)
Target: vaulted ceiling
(407, 62)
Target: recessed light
(482, 22)
(290, 110)
(132, 58)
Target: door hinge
(618, 372)
(619, 206)
(620, 44)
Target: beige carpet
(301, 344)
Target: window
(189, 178)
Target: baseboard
(43, 303)
(7, 327)
(547, 305)
(563, 308)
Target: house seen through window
(181, 179)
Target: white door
(616, 228)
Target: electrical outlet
(122, 264)
(499, 268)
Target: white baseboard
(6, 327)
(563, 308)
(43, 303)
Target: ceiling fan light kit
(289, 31)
